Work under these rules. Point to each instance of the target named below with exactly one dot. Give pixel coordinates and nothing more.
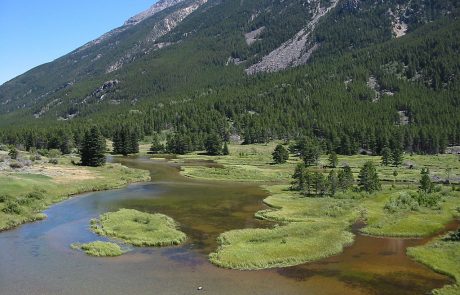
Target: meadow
(25, 192)
(302, 223)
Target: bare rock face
(154, 9)
(159, 29)
(295, 51)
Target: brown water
(36, 258)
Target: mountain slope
(184, 65)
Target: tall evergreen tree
(333, 182)
(213, 144)
(397, 156)
(426, 186)
(333, 160)
(280, 154)
(368, 178)
(93, 148)
(156, 146)
(346, 178)
(386, 156)
(225, 150)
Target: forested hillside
(370, 74)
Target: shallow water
(36, 258)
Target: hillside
(353, 73)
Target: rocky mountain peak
(155, 8)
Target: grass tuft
(99, 249)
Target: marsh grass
(281, 246)
(443, 257)
(139, 228)
(99, 249)
(254, 163)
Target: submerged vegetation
(99, 249)
(139, 228)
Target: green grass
(99, 249)
(63, 181)
(139, 228)
(292, 244)
(258, 248)
(442, 257)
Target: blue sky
(33, 32)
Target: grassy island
(139, 228)
(314, 227)
(99, 249)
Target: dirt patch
(61, 174)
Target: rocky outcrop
(252, 36)
(295, 51)
(154, 9)
(161, 28)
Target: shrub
(403, 202)
(453, 236)
(16, 165)
(12, 207)
(4, 198)
(53, 161)
(35, 195)
(54, 153)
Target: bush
(53, 161)
(412, 201)
(4, 198)
(453, 236)
(12, 207)
(35, 157)
(54, 153)
(35, 195)
(16, 165)
(404, 202)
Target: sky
(33, 32)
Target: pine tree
(280, 154)
(426, 186)
(13, 153)
(93, 147)
(397, 156)
(333, 182)
(346, 178)
(299, 178)
(213, 144)
(368, 178)
(225, 150)
(310, 154)
(133, 143)
(333, 160)
(156, 146)
(319, 183)
(386, 155)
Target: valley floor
(309, 228)
(26, 191)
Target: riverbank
(288, 208)
(443, 257)
(25, 192)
